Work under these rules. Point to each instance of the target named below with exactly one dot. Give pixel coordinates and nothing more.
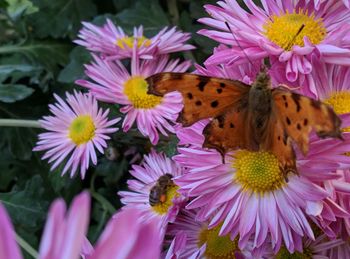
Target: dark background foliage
(37, 59)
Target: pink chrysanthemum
(114, 84)
(192, 239)
(147, 175)
(248, 194)
(76, 129)
(112, 41)
(289, 31)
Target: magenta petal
(8, 245)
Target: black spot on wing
(296, 99)
(315, 104)
(190, 96)
(288, 121)
(202, 82)
(232, 125)
(214, 104)
(219, 90)
(298, 126)
(222, 85)
(285, 138)
(305, 122)
(198, 103)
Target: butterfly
(256, 117)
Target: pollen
(136, 91)
(217, 247)
(289, 29)
(129, 42)
(82, 129)
(283, 253)
(257, 172)
(163, 207)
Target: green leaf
(48, 53)
(61, 18)
(27, 207)
(12, 93)
(75, 69)
(147, 13)
(17, 8)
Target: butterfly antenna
(289, 45)
(239, 45)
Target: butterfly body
(254, 117)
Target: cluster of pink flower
(199, 205)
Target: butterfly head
(262, 80)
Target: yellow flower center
(290, 29)
(129, 41)
(217, 247)
(82, 129)
(136, 91)
(163, 207)
(258, 171)
(283, 253)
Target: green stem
(105, 203)
(26, 247)
(19, 123)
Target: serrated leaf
(27, 207)
(11, 93)
(149, 14)
(17, 8)
(61, 17)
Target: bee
(158, 193)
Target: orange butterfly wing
(277, 141)
(203, 97)
(299, 115)
(227, 132)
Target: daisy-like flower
(76, 128)
(317, 3)
(192, 239)
(248, 196)
(153, 191)
(114, 84)
(111, 40)
(63, 235)
(288, 31)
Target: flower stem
(26, 247)
(19, 123)
(104, 202)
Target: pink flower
(63, 234)
(8, 246)
(114, 84)
(147, 176)
(112, 41)
(291, 32)
(128, 236)
(76, 129)
(248, 195)
(192, 239)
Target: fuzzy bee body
(158, 193)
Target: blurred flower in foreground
(76, 129)
(127, 236)
(111, 40)
(289, 31)
(161, 202)
(114, 84)
(63, 234)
